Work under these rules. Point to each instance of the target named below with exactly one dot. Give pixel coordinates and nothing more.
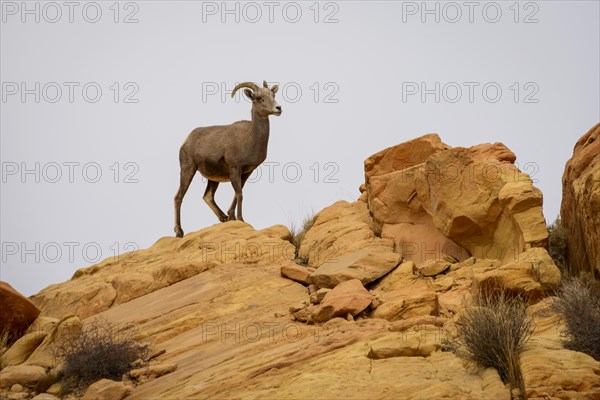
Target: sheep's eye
(259, 98)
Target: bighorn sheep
(227, 153)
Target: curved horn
(249, 85)
(265, 84)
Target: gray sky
(97, 99)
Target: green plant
(101, 350)
(557, 245)
(492, 332)
(579, 305)
(298, 236)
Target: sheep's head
(263, 98)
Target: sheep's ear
(274, 89)
(265, 84)
(249, 94)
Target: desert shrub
(557, 245)
(299, 234)
(100, 350)
(579, 305)
(492, 332)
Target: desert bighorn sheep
(227, 153)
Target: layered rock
(228, 304)
(551, 371)
(349, 297)
(121, 279)
(436, 200)
(441, 203)
(342, 245)
(580, 208)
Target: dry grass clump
(101, 350)
(579, 305)
(299, 234)
(5, 338)
(376, 226)
(492, 332)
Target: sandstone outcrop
(121, 279)
(106, 389)
(17, 311)
(349, 297)
(458, 201)
(580, 208)
(365, 318)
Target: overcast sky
(97, 98)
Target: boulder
(21, 349)
(152, 371)
(44, 354)
(295, 272)
(532, 274)
(106, 389)
(318, 296)
(366, 265)
(479, 199)
(17, 311)
(408, 307)
(25, 375)
(349, 297)
(458, 201)
(432, 268)
(416, 343)
(580, 208)
(45, 396)
(390, 176)
(339, 229)
(399, 277)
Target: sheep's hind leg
(185, 178)
(209, 198)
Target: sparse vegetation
(376, 226)
(557, 243)
(101, 350)
(491, 332)
(5, 338)
(299, 234)
(579, 305)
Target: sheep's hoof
(179, 233)
(224, 218)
